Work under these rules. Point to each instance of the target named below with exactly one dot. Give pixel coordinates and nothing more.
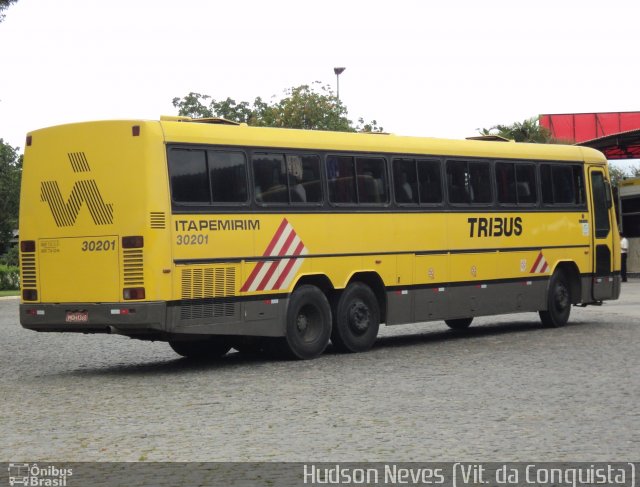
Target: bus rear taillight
(28, 246)
(29, 295)
(136, 242)
(133, 293)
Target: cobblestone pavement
(505, 390)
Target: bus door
(602, 236)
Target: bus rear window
(188, 173)
(203, 177)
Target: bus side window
(526, 184)
(341, 177)
(480, 182)
(563, 188)
(304, 178)
(430, 181)
(270, 178)
(372, 180)
(457, 182)
(228, 171)
(546, 184)
(578, 185)
(506, 183)
(405, 181)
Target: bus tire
(214, 347)
(357, 319)
(459, 324)
(558, 302)
(308, 323)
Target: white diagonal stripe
(258, 279)
(294, 270)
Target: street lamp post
(338, 72)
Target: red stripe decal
(276, 237)
(535, 264)
(252, 276)
(287, 268)
(258, 267)
(272, 269)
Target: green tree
(311, 107)
(10, 174)
(529, 130)
(4, 4)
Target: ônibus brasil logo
(32, 474)
(83, 191)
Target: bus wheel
(308, 323)
(558, 302)
(459, 324)
(357, 319)
(213, 347)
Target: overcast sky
(435, 68)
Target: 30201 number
(98, 245)
(192, 239)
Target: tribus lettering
(495, 227)
(216, 225)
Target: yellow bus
(629, 199)
(213, 235)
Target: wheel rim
(561, 298)
(359, 317)
(309, 323)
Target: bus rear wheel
(357, 319)
(308, 323)
(558, 302)
(214, 347)
(459, 324)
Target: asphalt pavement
(505, 390)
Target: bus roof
(219, 132)
(178, 129)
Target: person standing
(624, 249)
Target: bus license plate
(77, 316)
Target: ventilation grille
(28, 270)
(206, 292)
(133, 268)
(158, 220)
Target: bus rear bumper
(147, 317)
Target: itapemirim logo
(83, 191)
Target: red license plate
(77, 317)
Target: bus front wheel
(357, 319)
(558, 302)
(214, 347)
(308, 323)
